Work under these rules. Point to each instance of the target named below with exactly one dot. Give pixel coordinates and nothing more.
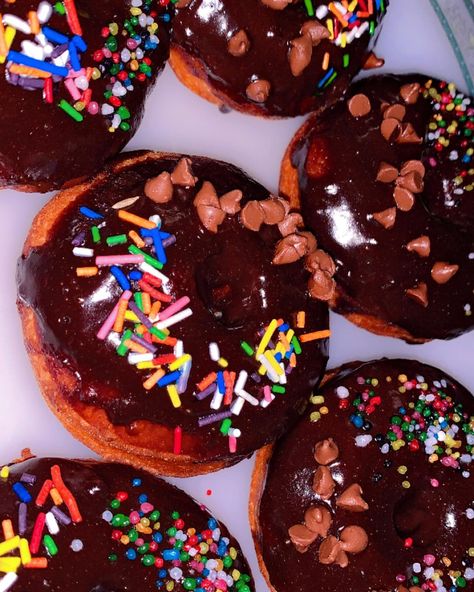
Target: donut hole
(412, 519)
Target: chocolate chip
(290, 224)
(395, 111)
(320, 260)
(289, 249)
(311, 242)
(252, 215)
(258, 90)
(182, 3)
(210, 217)
(387, 173)
(326, 451)
(442, 272)
(318, 519)
(413, 165)
(412, 181)
(277, 4)
(404, 199)
(351, 499)
(301, 537)
(207, 196)
(373, 62)
(390, 129)
(321, 286)
(160, 188)
(323, 483)
(300, 54)
(315, 31)
(421, 246)
(408, 135)
(359, 105)
(410, 92)
(183, 174)
(330, 551)
(230, 201)
(273, 210)
(239, 44)
(386, 218)
(419, 294)
(354, 539)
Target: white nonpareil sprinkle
(342, 392)
(363, 440)
(77, 545)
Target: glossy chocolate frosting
(339, 159)
(42, 147)
(203, 30)
(89, 559)
(235, 291)
(411, 497)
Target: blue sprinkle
(136, 482)
(54, 36)
(325, 78)
(212, 523)
(205, 572)
(220, 384)
(24, 60)
(157, 537)
(79, 43)
(142, 498)
(22, 493)
(283, 328)
(120, 277)
(131, 554)
(90, 213)
(74, 57)
(169, 378)
(278, 357)
(135, 275)
(357, 421)
(162, 573)
(170, 554)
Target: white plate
(412, 39)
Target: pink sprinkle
(434, 482)
(173, 308)
(220, 584)
(449, 461)
(400, 578)
(93, 108)
(267, 393)
(432, 162)
(146, 507)
(134, 517)
(118, 259)
(72, 88)
(429, 559)
(360, 380)
(139, 542)
(110, 320)
(232, 444)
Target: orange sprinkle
(86, 271)
(326, 59)
(137, 239)
(55, 496)
(64, 492)
(43, 493)
(37, 563)
(315, 335)
(293, 360)
(370, 7)
(153, 379)
(205, 382)
(137, 220)
(28, 71)
(284, 341)
(72, 18)
(301, 319)
(146, 303)
(229, 386)
(7, 527)
(155, 309)
(119, 319)
(135, 347)
(337, 14)
(34, 22)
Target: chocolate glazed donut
(372, 490)
(386, 182)
(86, 526)
(218, 348)
(74, 77)
(273, 58)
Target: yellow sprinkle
(55, 496)
(131, 316)
(317, 399)
(173, 395)
(406, 484)
(273, 363)
(4, 472)
(179, 362)
(266, 338)
(374, 382)
(25, 554)
(402, 469)
(169, 585)
(233, 554)
(9, 564)
(315, 416)
(10, 545)
(222, 362)
(402, 378)
(235, 575)
(7, 528)
(446, 561)
(470, 551)
(86, 271)
(145, 522)
(145, 365)
(9, 36)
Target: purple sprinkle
(288, 370)
(60, 516)
(143, 318)
(256, 377)
(22, 509)
(148, 241)
(59, 50)
(79, 239)
(208, 419)
(13, 78)
(30, 83)
(206, 392)
(28, 478)
(150, 347)
(169, 241)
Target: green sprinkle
(138, 300)
(372, 27)
(95, 234)
(148, 259)
(296, 344)
(246, 347)
(59, 8)
(345, 60)
(122, 349)
(50, 545)
(330, 80)
(69, 109)
(225, 426)
(116, 239)
(277, 388)
(309, 7)
(157, 333)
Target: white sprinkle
(214, 352)
(247, 396)
(363, 440)
(217, 399)
(178, 349)
(469, 573)
(234, 433)
(470, 513)
(7, 581)
(342, 392)
(417, 568)
(237, 405)
(83, 252)
(134, 358)
(77, 545)
(321, 11)
(17, 23)
(51, 523)
(173, 320)
(264, 403)
(241, 381)
(44, 12)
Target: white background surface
(412, 40)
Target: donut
(167, 314)
(273, 58)
(372, 490)
(74, 76)
(385, 182)
(85, 526)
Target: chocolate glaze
(42, 147)
(374, 268)
(434, 517)
(235, 262)
(95, 485)
(203, 29)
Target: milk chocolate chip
(413, 165)
(290, 224)
(359, 105)
(404, 199)
(326, 451)
(421, 246)
(386, 218)
(410, 93)
(353, 539)
(183, 174)
(373, 62)
(230, 201)
(412, 181)
(323, 483)
(442, 272)
(239, 44)
(330, 551)
(395, 111)
(315, 31)
(208, 207)
(290, 248)
(277, 4)
(320, 260)
(301, 537)
(408, 135)
(300, 54)
(273, 210)
(351, 499)
(160, 188)
(252, 215)
(258, 90)
(318, 519)
(419, 294)
(387, 173)
(207, 196)
(390, 129)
